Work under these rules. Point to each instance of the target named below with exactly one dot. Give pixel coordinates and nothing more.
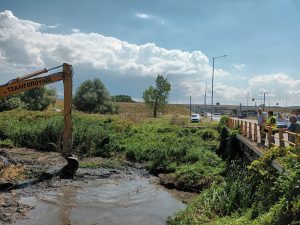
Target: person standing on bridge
(261, 120)
(298, 116)
(271, 124)
(293, 127)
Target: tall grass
(43, 131)
(186, 155)
(250, 194)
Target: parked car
(203, 114)
(195, 118)
(282, 123)
(242, 114)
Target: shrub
(209, 134)
(7, 143)
(178, 120)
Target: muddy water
(105, 202)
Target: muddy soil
(40, 174)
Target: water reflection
(105, 201)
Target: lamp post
(265, 100)
(212, 85)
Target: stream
(136, 200)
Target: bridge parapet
(264, 136)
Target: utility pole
(247, 102)
(205, 98)
(190, 106)
(264, 100)
(212, 85)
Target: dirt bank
(26, 172)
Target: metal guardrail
(264, 136)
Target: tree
(157, 97)
(10, 102)
(122, 98)
(35, 99)
(39, 98)
(93, 97)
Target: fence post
(241, 127)
(281, 141)
(245, 129)
(270, 137)
(250, 131)
(297, 139)
(255, 133)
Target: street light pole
(264, 100)
(212, 85)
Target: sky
(127, 43)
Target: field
(204, 159)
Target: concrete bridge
(255, 143)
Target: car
(242, 114)
(203, 114)
(195, 118)
(282, 123)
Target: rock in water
(69, 170)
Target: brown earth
(31, 172)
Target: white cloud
(75, 30)
(239, 66)
(51, 26)
(145, 16)
(26, 46)
(278, 86)
(23, 44)
(142, 16)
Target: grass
(249, 194)
(116, 162)
(231, 193)
(161, 144)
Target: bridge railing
(264, 135)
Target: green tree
(39, 98)
(93, 97)
(122, 98)
(10, 102)
(157, 97)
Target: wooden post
(241, 128)
(250, 131)
(281, 141)
(255, 133)
(67, 132)
(297, 139)
(245, 129)
(229, 122)
(270, 137)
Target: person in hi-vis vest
(271, 123)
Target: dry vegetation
(138, 111)
(12, 173)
